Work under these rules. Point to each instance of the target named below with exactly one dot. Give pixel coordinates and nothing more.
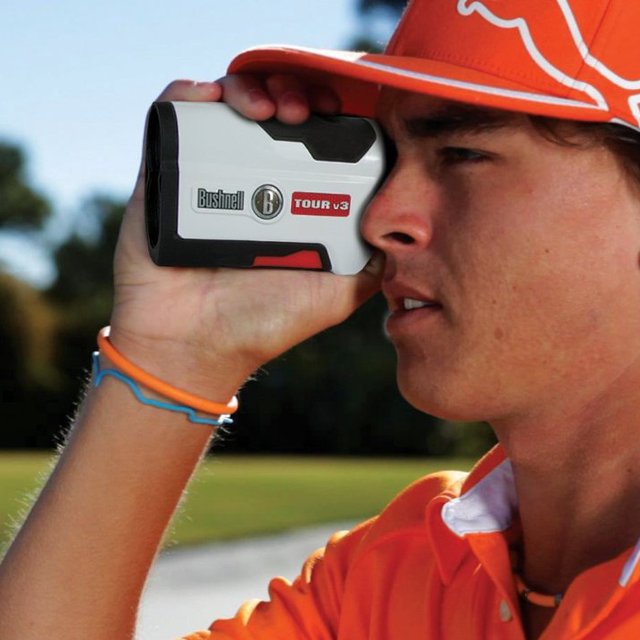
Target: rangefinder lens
(152, 182)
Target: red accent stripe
(306, 259)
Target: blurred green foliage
(46, 336)
(394, 7)
(29, 378)
(21, 208)
(376, 20)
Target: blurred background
(77, 79)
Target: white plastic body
(220, 150)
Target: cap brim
(357, 77)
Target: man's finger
(248, 96)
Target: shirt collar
(488, 504)
(488, 507)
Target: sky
(77, 79)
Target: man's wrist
(203, 372)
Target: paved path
(188, 588)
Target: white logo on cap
(467, 8)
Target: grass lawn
(236, 496)
(20, 475)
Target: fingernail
(208, 88)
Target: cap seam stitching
(527, 80)
(594, 37)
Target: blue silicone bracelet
(100, 374)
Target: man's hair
(620, 140)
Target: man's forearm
(79, 563)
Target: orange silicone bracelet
(159, 386)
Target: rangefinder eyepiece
(225, 191)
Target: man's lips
(407, 292)
(403, 298)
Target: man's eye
(459, 155)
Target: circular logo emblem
(266, 201)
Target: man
(508, 250)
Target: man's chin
(435, 398)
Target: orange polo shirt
(434, 565)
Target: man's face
(525, 252)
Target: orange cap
(575, 59)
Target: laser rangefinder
(225, 191)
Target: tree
(393, 6)
(28, 376)
(377, 19)
(21, 208)
(46, 337)
(82, 292)
(29, 380)
(84, 260)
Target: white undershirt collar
(490, 505)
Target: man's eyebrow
(457, 119)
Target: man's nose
(399, 218)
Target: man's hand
(199, 328)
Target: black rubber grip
(162, 175)
(330, 139)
